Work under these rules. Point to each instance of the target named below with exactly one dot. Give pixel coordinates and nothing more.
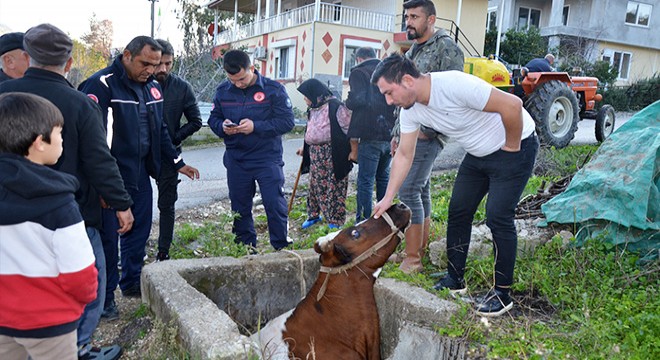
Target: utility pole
(153, 18)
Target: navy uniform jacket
(119, 104)
(267, 104)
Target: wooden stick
(295, 186)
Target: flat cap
(48, 45)
(11, 41)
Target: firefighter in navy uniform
(251, 113)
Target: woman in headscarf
(325, 154)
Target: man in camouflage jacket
(432, 50)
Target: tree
(519, 47)
(577, 58)
(490, 42)
(196, 64)
(86, 62)
(99, 37)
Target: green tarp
(616, 196)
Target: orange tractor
(555, 100)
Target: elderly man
(541, 64)
(131, 101)
(86, 156)
(498, 136)
(13, 58)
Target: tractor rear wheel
(604, 122)
(555, 109)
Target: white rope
(301, 273)
(365, 255)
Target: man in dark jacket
(131, 102)
(179, 99)
(13, 58)
(371, 124)
(86, 156)
(251, 113)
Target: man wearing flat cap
(13, 58)
(86, 155)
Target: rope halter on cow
(365, 255)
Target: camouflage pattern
(439, 53)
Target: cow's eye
(355, 233)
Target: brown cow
(338, 318)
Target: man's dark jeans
(503, 176)
(373, 166)
(167, 196)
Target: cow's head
(355, 240)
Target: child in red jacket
(47, 272)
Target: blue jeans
(92, 314)
(415, 191)
(132, 243)
(374, 165)
(503, 176)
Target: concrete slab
(217, 303)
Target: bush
(634, 97)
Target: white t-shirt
(455, 109)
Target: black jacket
(372, 118)
(29, 191)
(4, 77)
(179, 99)
(119, 103)
(86, 154)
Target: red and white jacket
(47, 272)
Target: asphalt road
(212, 185)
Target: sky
(130, 18)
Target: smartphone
(230, 125)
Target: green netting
(616, 196)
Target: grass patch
(140, 312)
(591, 302)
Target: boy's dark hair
(427, 6)
(235, 60)
(23, 117)
(166, 46)
(365, 53)
(138, 43)
(392, 69)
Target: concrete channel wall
(216, 303)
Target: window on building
(528, 17)
(564, 16)
(282, 64)
(638, 13)
(619, 60)
(491, 20)
(285, 58)
(349, 59)
(337, 11)
(350, 47)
